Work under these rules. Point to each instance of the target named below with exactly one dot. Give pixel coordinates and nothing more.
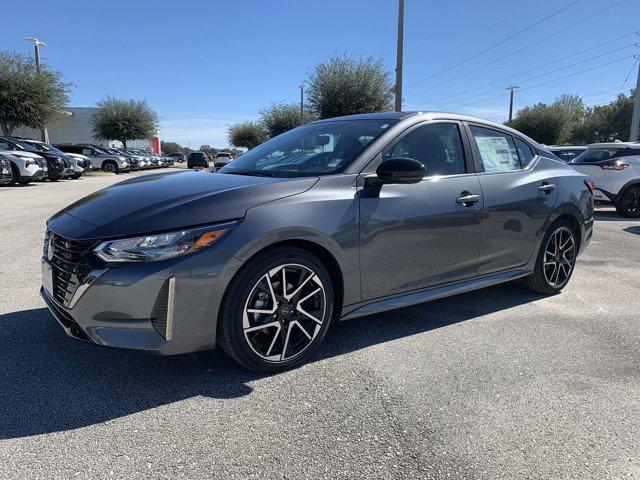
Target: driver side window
(438, 146)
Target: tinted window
(524, 151)
(5, 146)
(320, 148)
(596, 155)
(497, 150)
(438, 146)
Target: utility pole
(400, 46)
(511, 88)
(302, 103)
(36, 47)
(635, 118)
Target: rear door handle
(547, 187)
(468, 199)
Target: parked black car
(6, 174)
(197, 160)
(178, 157)
(59, 165)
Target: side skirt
(434, 293)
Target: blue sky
(205, 64)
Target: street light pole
(44, 134)
(399, 52)
(635, 118)
(511, 89)
(302, 103)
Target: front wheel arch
(321, 253)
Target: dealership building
(75, 126)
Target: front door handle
(547, 187)
(468, 199)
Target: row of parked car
(614, 167)
(24, 160)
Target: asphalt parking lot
(498, 383)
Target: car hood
(169, 201)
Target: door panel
(415, 236)
(515, 211)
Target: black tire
(15, 174)
(110, 167)
(539, 280)
(628, 205)
(249, 283)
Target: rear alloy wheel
(110, 167)
(629, 204)
(277, 310)
(556, 260)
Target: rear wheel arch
(627, 186)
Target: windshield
(595, 155)
(321, 148)
(27, 146)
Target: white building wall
(76, 127)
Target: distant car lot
(497, 383)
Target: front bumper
(168, 307)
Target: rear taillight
(590, 185)
(617, 165)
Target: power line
(542, 74)
(553, 80)
(599, 12)
(491, 47)
(529, 69)
(628, 75)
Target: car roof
(614, 145)
(430, 115)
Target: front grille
(41, 162)
(69, 263)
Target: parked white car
(80, 164)
(615, 169)
(26, 166)
(566, 153)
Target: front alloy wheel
(276, 310)
(284, 312)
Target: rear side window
(524, 151)
(497, 151)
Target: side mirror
(397, 170)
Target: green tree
(573, 110)
(606, 123)
(170, 147)
(348, 85)
(282, 117)
(247, 134)
(28, 97)
(209, 150)
(124, 120)
(544, 123)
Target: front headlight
(161, 246)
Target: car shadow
(634, 230)
(51, 382)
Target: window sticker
(495, 153)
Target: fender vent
(162, 313)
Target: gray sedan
(333, 220)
